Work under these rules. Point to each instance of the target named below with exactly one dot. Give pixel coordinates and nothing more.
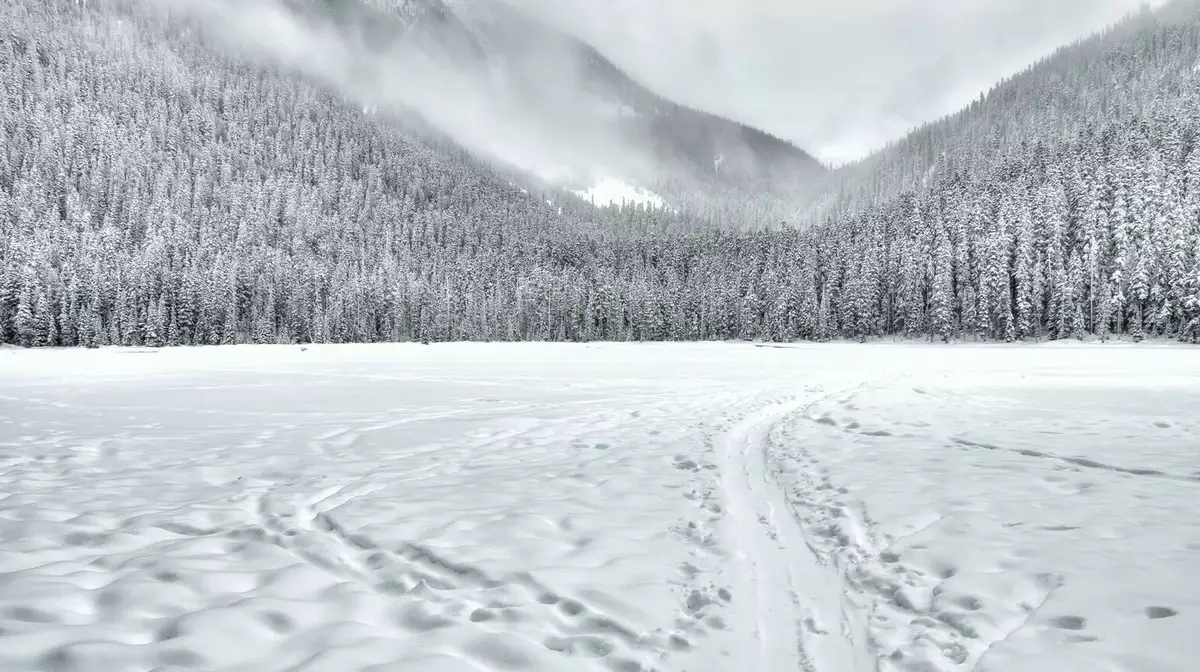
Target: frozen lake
(624, 507)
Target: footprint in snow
(1069, 622)
(1160, 612)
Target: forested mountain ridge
(153, 190)
(157, 190)
(1065, 201)
(1127, 70)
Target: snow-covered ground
(698, 508)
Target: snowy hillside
(196, 192)
(698, 508)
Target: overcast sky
(838, 77)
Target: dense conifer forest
(155, 190)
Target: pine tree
(26, 326)
(941, 303)
(1024, 277)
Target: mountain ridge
(961, 138)
(158, 188)
(490, 34)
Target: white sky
(838, 77)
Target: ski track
(920, 614)
(797, 605)
(615, 514)
(902, 629)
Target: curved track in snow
(599, 508)
(795, 603)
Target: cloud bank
(540, 123)
(840, 78)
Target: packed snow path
(695, 508)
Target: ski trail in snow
(796, 605)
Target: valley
(419, 335)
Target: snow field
(691, 507)
(1000, 516)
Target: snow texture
(698, 508)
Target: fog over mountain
(579, 90)
(504, 84)
(838, 78)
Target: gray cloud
(839, 77)
(540, 122)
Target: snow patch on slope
(615, 191)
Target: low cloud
(838, 78)
(537, 124)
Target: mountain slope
(565, 80)
(159, 188)
(1063, 203)
(1126, 70)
